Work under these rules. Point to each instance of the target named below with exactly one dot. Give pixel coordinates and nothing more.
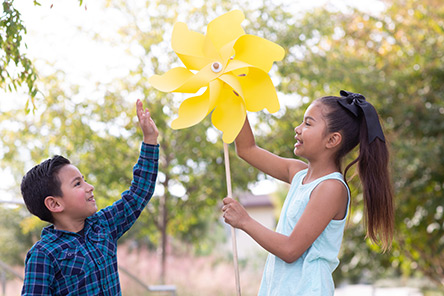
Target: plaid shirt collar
(50, 234)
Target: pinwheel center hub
(216, 67)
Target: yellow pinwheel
(232, 65)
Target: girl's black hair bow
(353, 102)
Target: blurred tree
(99, 135)
(16, 68)
(396, 60)
(11, 252)
(193, 157)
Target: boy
(76, 255)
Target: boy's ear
(53, 204)
(334, 140)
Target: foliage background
(394, 57)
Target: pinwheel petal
(225, 28)
(258, 51)
(199, 80)
(215, 91)
(229, 117)
(259, 91)
(192, 111)
(171, 80)
(227, 51)
(189, 47)
(237, 66)
(232, 81)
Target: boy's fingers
(139, 108)
(140, 111)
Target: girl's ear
(334, 140)
(53, 204)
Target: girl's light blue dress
(311, 274)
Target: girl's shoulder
(297, 167)
(333, 181)
(334, 193)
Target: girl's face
(311, 137)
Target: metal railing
(5, 268)
(169, 289)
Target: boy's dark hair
(42, 181)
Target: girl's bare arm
(278, 167)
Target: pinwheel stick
(233, 231)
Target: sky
(60, 35)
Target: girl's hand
(234, 213)
(149, 128)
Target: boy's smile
(78, 199)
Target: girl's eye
(307, 124)
(77, 184)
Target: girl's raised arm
(278, 167)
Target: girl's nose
(297, 130)
(91, 187)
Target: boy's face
(78, 198)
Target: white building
(260, 208)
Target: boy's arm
(123, 213)
(149, 128)
(39, 274)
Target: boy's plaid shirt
(67, 263)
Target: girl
(305, 246)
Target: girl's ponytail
(373, 171)
(358, 122)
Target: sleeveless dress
(310, 274)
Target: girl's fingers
(227, 200)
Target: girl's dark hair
(42, 181)
(373, 170)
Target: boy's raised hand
(149, 128)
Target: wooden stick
(233, 231)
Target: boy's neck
(69, 226)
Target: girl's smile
(298, 142)
(310, 134)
